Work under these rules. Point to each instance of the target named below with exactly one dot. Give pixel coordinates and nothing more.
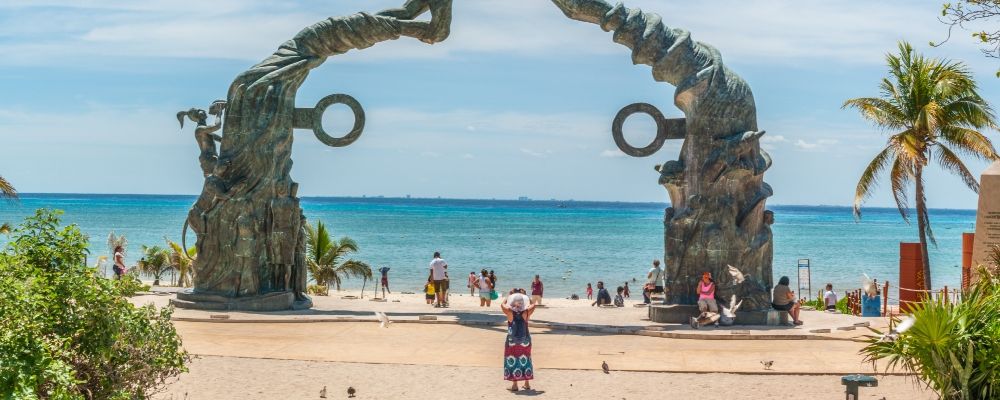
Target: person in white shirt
(830, 298)
(654, 282)
(437, 273)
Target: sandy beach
(455, 353)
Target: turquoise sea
(569, 243)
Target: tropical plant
(68, 333)
(934, 111)
(183, 262)
(7, 190)
(155, 262)
(6, 229)
(952, 347)
(324, 258)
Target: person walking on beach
(627, 295)
(783, 299)
(385, 280)
(654, 282)
(536, 291)
(590, 291)
(517, 365)
(472, 283)
(438, 268)
(429, 291)
(485, 289)
(119, 267)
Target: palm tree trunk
(922, 223)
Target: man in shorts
(654, 282)
(438, 269)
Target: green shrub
(66, 332)
(952, 347)
(129, 284)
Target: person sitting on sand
(429, 291)
(590, 291)
(536, 291)
(830, 298)
(783, 299)
(603, 297)
(517, 365)
(619, 300)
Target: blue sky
(517, 102)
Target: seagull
(767, 364)
(382, 318)
(604, 366)
(351, 391)
(903, 326)
(322, 393)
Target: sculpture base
(278, 301)
(682, 313)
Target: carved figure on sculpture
(248, 218)
(205, 134)
(716, 188)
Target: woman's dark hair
(783, 281)
(621, 289)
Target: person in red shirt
(536, 291)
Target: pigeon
(767, 364)
(738, 277)
(322, 393)
(351, 391)
(382, 319)
(604, 367)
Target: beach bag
(494, 295)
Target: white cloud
(612, 153)
(817, 145)
(773, 139)
(535, 153)
(748, 31)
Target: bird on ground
(351, 391)
(767, 364)
(322, 393)
(382, 319)
(604, 367)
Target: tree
(971, 12)
(933, 109)
(66, 332)
(155, 262)
(7, 190)
(183, 262)
(324, 255)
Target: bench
(777, 318)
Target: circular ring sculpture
(661, 129)
(317, 120)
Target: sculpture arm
(592, 11)
(410, 10)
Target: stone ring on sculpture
(312, 119)
(673, 128)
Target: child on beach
(590, 292)
(619, 300)
(429, 291)
(626, 290)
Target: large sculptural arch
(249, 223)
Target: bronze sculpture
(248, 221)
(717, 192)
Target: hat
(517, 302)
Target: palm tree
(324, 255)
(934, 111)
(183, 262)
(7, 190)
(155, 262)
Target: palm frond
(7, 190)
(900, 178)
(969, 142)
(869, 178)
(951, 163)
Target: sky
(517, 102)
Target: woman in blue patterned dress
(517, 349)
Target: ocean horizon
(568, 242)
